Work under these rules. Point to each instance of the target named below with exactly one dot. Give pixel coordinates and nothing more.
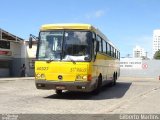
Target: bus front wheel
(99, 84)
(59, 92)
(114, 79)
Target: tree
(157, 55)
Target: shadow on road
(107, 92)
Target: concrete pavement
(129, 95)
(16, 78)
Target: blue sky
(126, 23)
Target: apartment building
(156, 41)
(139, 52)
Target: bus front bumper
(70, 86)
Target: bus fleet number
(42, 68)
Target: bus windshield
(65, 45)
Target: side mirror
(97, 46)
(30, 42)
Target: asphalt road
(130, 95)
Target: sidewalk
(139, 78)
(16, 78)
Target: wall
(16, 59)
(147, 68)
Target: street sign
(144, 66)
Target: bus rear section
(72, 76)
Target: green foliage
(157, 55)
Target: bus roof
(75, 26)
(67, 26)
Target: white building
(30, 57)
(156, 40)
(14, 52)
(10, 54)
(139, 52)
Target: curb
(16, 78)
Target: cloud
(144, 41)
(96, 14)
(99, 13)
(130, 42)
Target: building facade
(156, 41)
(30, 57)
(10, 54)
(14, 52)
(139, 52)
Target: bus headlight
(39, 76)
(80, 77)
(83, 77)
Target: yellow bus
(74, 57)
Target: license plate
(60, 87)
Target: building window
(31, 63)
(5, 44)
(4, 64)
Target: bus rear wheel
(59, 92)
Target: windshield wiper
(50, 60)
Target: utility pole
(146, 54)
(128, 55)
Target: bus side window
(115, 53)
(108, 49)
(104, 47)
(94, 45)
(100, 44)
(112, 51)
(119, 55)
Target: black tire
(59, 92)
(99, 84)
(114, 79)
(116, 76)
